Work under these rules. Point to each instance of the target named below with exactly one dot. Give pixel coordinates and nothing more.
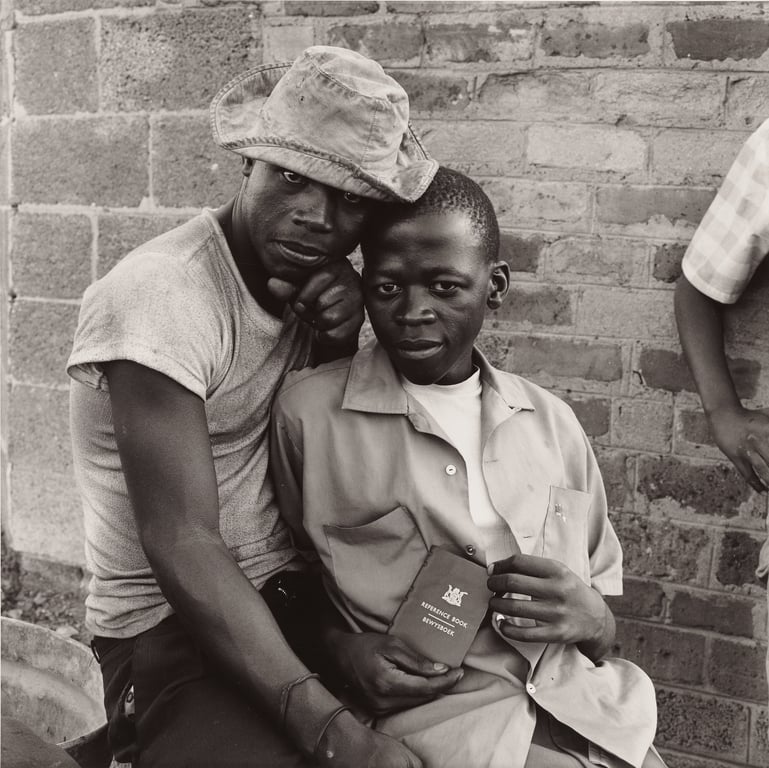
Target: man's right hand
(349, 744)
(386, 674)
(743, 435)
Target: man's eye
(443, 286)
(387, 289)
(352, 198)
(293, 178)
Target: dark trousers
(184, 712)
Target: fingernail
(299, 307)
(438, 667)
(490, 569)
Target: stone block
(737, 559)
(664, 369)
(759, 737)
(188, 169)
(521, 252)
(665, 654)
(81, 161)
(46, 517)
(692, 437)
(174, 60)
(285, 43)
(588, 147)
(40, 340)
(618, 473)
(392, 43)
(503, 38)
(712, 611)
(666, 264)
(719, 39)
(39, 7)
(633, 97)
(642, 424)
(51, 255)
(737, 668)
(496, 346)
(567, 358)
(630, 314)
(5, 160)
(55, 67)
(613, 261)
(679, 487)
(661, 549)
(593, 413)
(533, 305)
(474, 147)
(119, 234)
(539, 204)
(705, 725)
(577, 38)
(434, 93)
(746, 100)
(694, 157)
(641, 599)
(39, 429)
(334, 8)
(747, 323)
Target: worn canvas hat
(334, 116)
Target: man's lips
(417, 349)
(301, 254)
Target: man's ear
(247, 166)
(499, 284)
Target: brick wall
(601, 133)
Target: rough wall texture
(600, 132)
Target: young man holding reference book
(461, 509)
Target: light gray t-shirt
(178, 305)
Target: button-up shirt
(369, 482)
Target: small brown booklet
(443, 609)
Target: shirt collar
(373, 385)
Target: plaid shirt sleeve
(733, 237)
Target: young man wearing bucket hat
(176, 359)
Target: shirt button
(470, 549)
(451, 469)
(531, 688)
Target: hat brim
(236, 126)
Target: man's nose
(415, 308)
(316, 209)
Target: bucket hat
(332, 115)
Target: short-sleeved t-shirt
(178, 305)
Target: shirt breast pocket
(375, 563)
(566, 526)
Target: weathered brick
(39, 7)
(594, 148)
(433, 93)
(661, 549)
(705, 489)
(657, 98)
(286, 42)
(519, 202)
(335, 8)
(40, 340)
(5, 161)
(695, 428)
(536, 305)
(656, 208)
(477, 147)
(618, 473)
(667, 655)
(759, 737)
(593, 413)
(679, 760)
(567, 358)
(640, 599)
(521, 252)
(39, 429)
(702, 724)
(719, 39)
(188, 169)
(642, 424)
(746, 100)
(51, 255)
(447, 6)
(738, 558)
(666, 266)
(694, 157)
(538, 95)
(738, 669)
(595, 40)
(120, 234)
(503, 39)
(496, 346)
(597, 260)
(716, 612)
(55, 67)
(174, 60)
(105, 161)
(623, 313)
(58, 533)
(389, 43)
(747, 322)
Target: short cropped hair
(449, 191)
